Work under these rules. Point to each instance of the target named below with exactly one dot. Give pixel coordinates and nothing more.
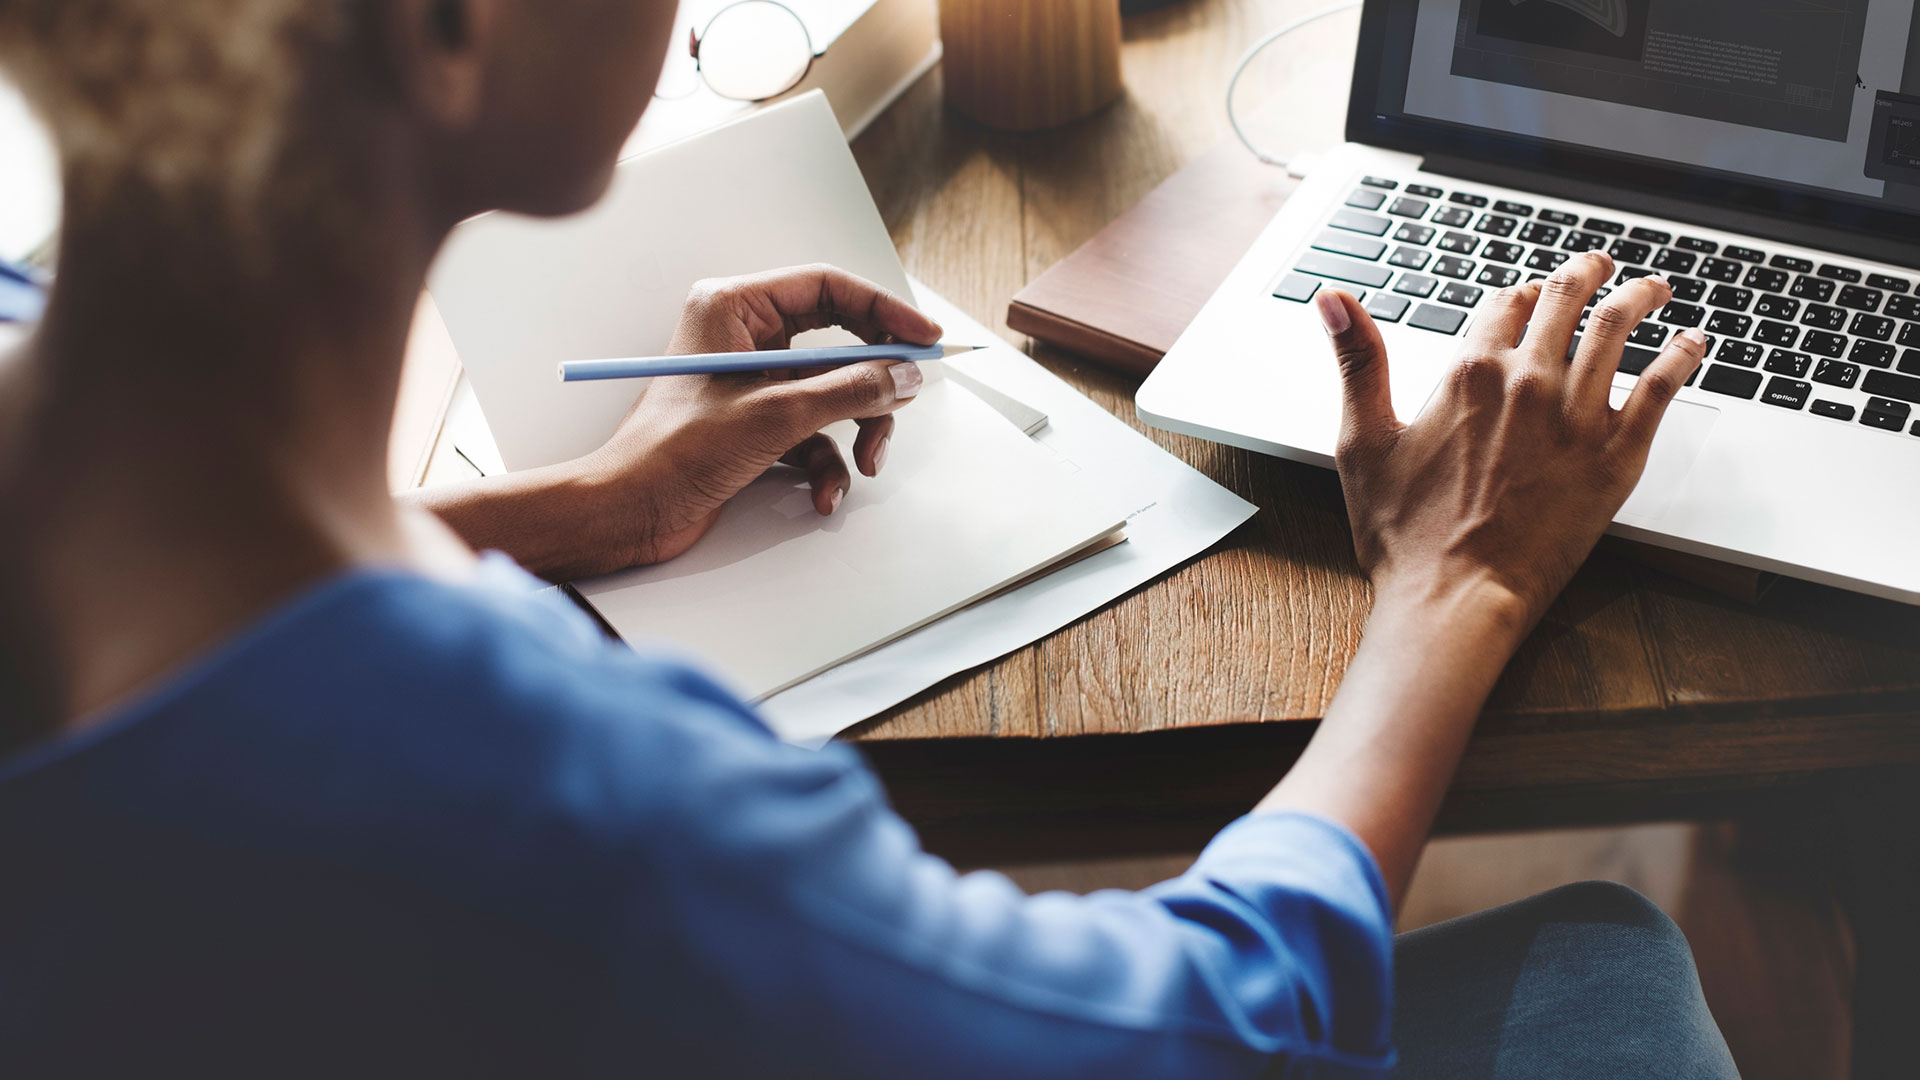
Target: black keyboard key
(1380, 182)
(1461, 295)
(1886, 415)
(1453, 266)
(1648, 335)
(1766, 280)
(1860, 298)
(1650, 236)
(1744, 353)
(1364, 199)
(1872, 353)
(1440, 320)
(1584, 241)
(1534, 232)
(1730, 297)
(1517, 209)
(1909, 336)
(1833, 410)
(1888, 384)
(1731, 381)
(1787, 393)
(1355, 221)
(1559, 217)
(1416, 285)
(1387, 307)
(1819, 290)
(1465, 198)
(1633, 359)
(1877, 327)
(1502, 251)
(1775, 333)
(1717, 269)
(1458, 243)
(1777, 307)
(1744, 254)
(1546, 261)
(1694, 243)
(1496, 225)
(1409, 258)
(1628, 273)
(1347, 270)
(1414, 234)
(1675, 262)
(1598, 295)
(1497, 277)
(1836, 373)
(1453, 217)
(1889, 283)
(1298, 288)
(1679, 314)
(1822, 317)
(1840, 273)
(1409, 208)
(1630, 251)
(1782, 362)
(1602, 225)
(1904, 307)
(1791, 262)
(1358, 247)
(1728, 324)
(1909, 362)
(1424, 191)
(1688, 289)
(1821, 343)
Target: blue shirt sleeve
(802, 904)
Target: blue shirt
(403, 827)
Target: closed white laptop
(1765, 158)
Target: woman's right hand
(1508, 480)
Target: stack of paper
(827, 619)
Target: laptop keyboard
(1824, 338)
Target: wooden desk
(1151, 723)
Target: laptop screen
(1809, 107)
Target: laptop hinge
(1827, 238)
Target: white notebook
(967, 505)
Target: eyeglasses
(750, 51)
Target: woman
(294, 783)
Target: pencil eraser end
(560, 370)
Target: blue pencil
(644, 367)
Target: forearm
(553, 521)
(1387, 750)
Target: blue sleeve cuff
(1318, 889)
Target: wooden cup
(1023, 65)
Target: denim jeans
(1588, 980)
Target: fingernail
(1695, 336)
(833, 500)
(906, 379)
(1661, 279)
(880, 455)
(1333, 311)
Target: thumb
(1367, 414)
(855, 392)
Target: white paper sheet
(775, 594)
(1174, 514)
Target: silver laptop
(1765, 157)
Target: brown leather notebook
(1127, 294)
(1130, 291)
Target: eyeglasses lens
(755, 50)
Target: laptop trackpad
(1683, 434)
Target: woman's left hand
(692, 442)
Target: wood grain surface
(1163, 715)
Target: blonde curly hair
(175, 95)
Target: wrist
(1474, 607)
